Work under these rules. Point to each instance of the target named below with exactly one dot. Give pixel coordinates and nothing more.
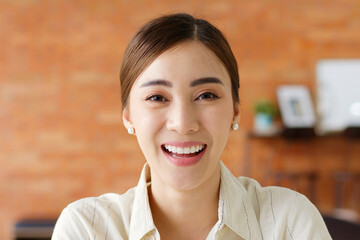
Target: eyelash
(152, 98)
(213, 96)
(204, 96)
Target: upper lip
(183, 144)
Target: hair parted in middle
(165, 32)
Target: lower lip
(184, 162)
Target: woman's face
(181, 108)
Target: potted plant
(265, 112)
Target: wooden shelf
(310, 165)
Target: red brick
(60, 114)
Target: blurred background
(61, 135)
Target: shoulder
(284, 212)
(108, 214)
(110, 205)
(278, 200)
(274, 193)
(109, 201)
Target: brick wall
(61, 136)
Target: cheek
(221, 114)
(147, 124)
(218, 121)
(143, 118)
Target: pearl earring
(235, 126)
(131, 130)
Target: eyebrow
(157, 82)
(205, 80)
(194, 83)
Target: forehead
(185, 62)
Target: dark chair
(34, 229)
(340, 229)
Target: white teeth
(186, 150)
(179, 150)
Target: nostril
(182, 119)
(183, 126)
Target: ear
(127, 118)
(237, 111)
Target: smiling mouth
(184, 152)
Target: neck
(195, 210)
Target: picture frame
(296, 106)
(338, 95)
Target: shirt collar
(141, 222)
(235, 207)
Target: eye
(156, 98)
(207, 96)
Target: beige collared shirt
(246, 211)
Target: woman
(179, 82)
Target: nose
(182, 118)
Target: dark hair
(165, 32)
